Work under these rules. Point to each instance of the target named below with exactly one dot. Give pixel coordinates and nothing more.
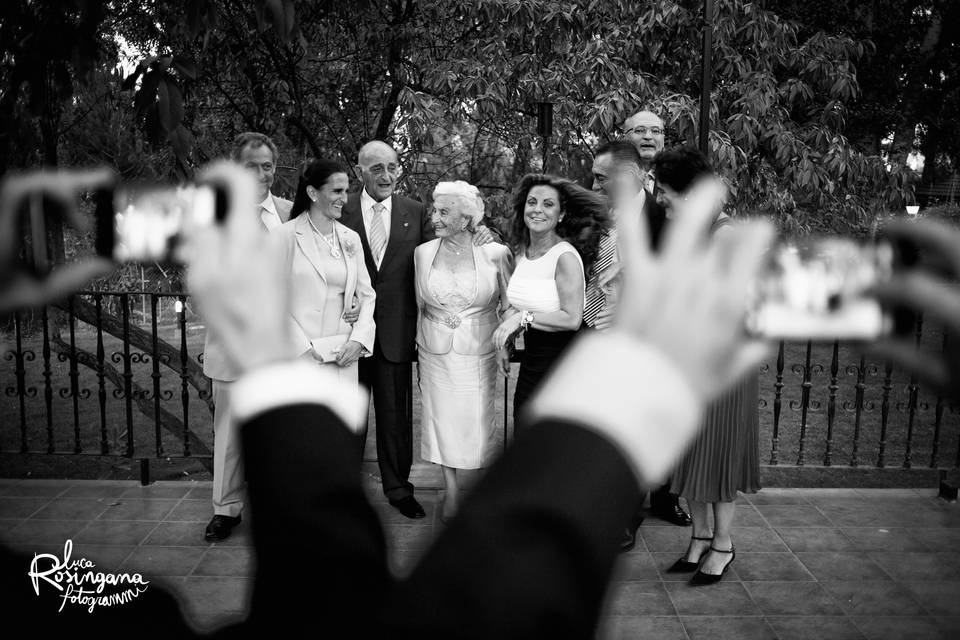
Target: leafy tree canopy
(910, 77)
(453, 85)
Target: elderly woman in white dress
(461, 291)
(327, 273)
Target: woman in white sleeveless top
(461, 291)
(557, 228)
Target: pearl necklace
(333, 244)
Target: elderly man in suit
(390, 227)
(645, 131)
(258, 154)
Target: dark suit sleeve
(531, 551)
(657, 219)
(427, 232)
(321, 557)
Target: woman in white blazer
(461, 290)
(327, 273)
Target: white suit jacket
(308, 283)
(469, 332)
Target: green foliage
(44, 46)
(910, 100)
(453, 85)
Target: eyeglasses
(379, 169)
(642, 131)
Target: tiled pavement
(811, 563)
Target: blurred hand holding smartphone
(815, 289)
(147, 222)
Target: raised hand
(690, 300)
(21, 287)
(930, 286)
(238, 278)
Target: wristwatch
(526, 319)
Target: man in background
(619, 175)
(257, 153)
(645, 131)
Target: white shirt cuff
(629, 392)
(275, 385)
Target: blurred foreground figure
(928, 282)
(531, 550)
(22, 281)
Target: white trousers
(227, 455)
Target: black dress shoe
(409, 507)
(220, 527)
(673, 513)
(700, 578)
(686, 566)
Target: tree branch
(168, 422)
(168, 355)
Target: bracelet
(526, 319)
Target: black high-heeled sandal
(701, 578)
(686, 566)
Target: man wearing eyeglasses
(644, 130)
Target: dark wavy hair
(679, 167)
(585, 217)
(315, 174)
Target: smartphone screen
(814, 289)
(146, 223)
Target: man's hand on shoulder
(485, 235)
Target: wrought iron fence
(118, 373)
(110, 376)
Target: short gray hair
(469, 195)
(257, 140)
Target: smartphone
(147, 222)
(814, 289)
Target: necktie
(378, 235)
(649, 181)
(595, 296)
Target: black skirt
(541, 349)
